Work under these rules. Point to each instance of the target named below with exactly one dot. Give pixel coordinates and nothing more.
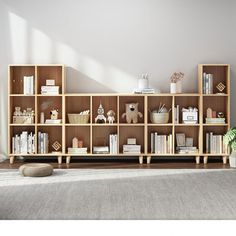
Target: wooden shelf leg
(224, 160)
(140, 159)
(68, 159)
(12, 158)
(197, 159)
(149, 158)
(59, 158)
(205, 159)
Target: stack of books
(53, 121)
(101, 150)
(207, 83)
(186, 150)
(215, 144)
(50, 90)
(78, 150)
(23, 143)
(161, 144)
(113, 143)
(43, 143)
(131, 149)
(28, 85)
(144, 91)
(176, 114)
(215, 120)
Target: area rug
(119, 194)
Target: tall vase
(173, 88)
(179, 86)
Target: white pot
(232, 160)
(179, 86)
(143, 84)
(173, 88)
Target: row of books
(215, 144)
(186, 150)
(83, 150)
(131, 149)
(215, 120)
(161, 144)
(43, 143)
(207, 83)
(113, 143)
(28, 85)
(50, 90)
(23, 143)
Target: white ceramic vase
(232, 160)
(173, 88)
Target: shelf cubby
(108, 103)
(100, 135)
(131, 132)
(48, 103)
(76, 104)
(123, 100)
(47, 72)
(154, 103)
(160, 130)
(81, 133)
(54, 134)
(16, 74)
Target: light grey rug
(119, 194)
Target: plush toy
(132, 113)
(111, 116)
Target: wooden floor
(170, 164)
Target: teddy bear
(132, 113)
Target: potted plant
(176, 82)
(230, 140)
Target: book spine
(177, 118)
(207, 142)
(155, 146)
(204, 83)
(152, 142)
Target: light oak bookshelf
(92, 133)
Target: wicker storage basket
(78, 119)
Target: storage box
(23, 120)
(190, 117)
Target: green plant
(230, 138)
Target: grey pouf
(36, 170)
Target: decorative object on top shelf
(176, 82)
(220, 87)
(50, 88)
(230, 141)
(143, 85)
(160, 116)
(111, 116)
(132, 113)
(25, 117)
(190, 115)
(81, 118)
(100, 117)
(54, 117)
(56, 146)
(207, 83)
(214, 117)
(185, 144)
(77, 147)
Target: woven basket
(78, 119)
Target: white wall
(107, 44)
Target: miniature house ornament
(100, 117)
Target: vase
(179, 86)
(232, 159)
(173, 88)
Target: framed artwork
(180, 138)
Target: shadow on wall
(76, 82)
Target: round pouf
(36, 170)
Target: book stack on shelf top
(50, 88)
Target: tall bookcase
(94, 134)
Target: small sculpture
(75, 143)
(56, 146)
(220, 114)
(17, 111)
(220, 87)
(111, 116)
(132, 113)
(100, 117)
(209, 113)
(54, 114)
(80, 143)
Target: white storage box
(190, 117)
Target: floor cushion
(36, 170)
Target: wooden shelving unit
(94, 134)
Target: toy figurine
(132, 113)
(111, 116)
(100, 117)
(54, 114)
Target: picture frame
(180, 139)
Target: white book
(171, 143)
(211, 142)
(116, 144)
(111, 143)
(207, 142)
(177, 114)
(152, 137)
(155, 145)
